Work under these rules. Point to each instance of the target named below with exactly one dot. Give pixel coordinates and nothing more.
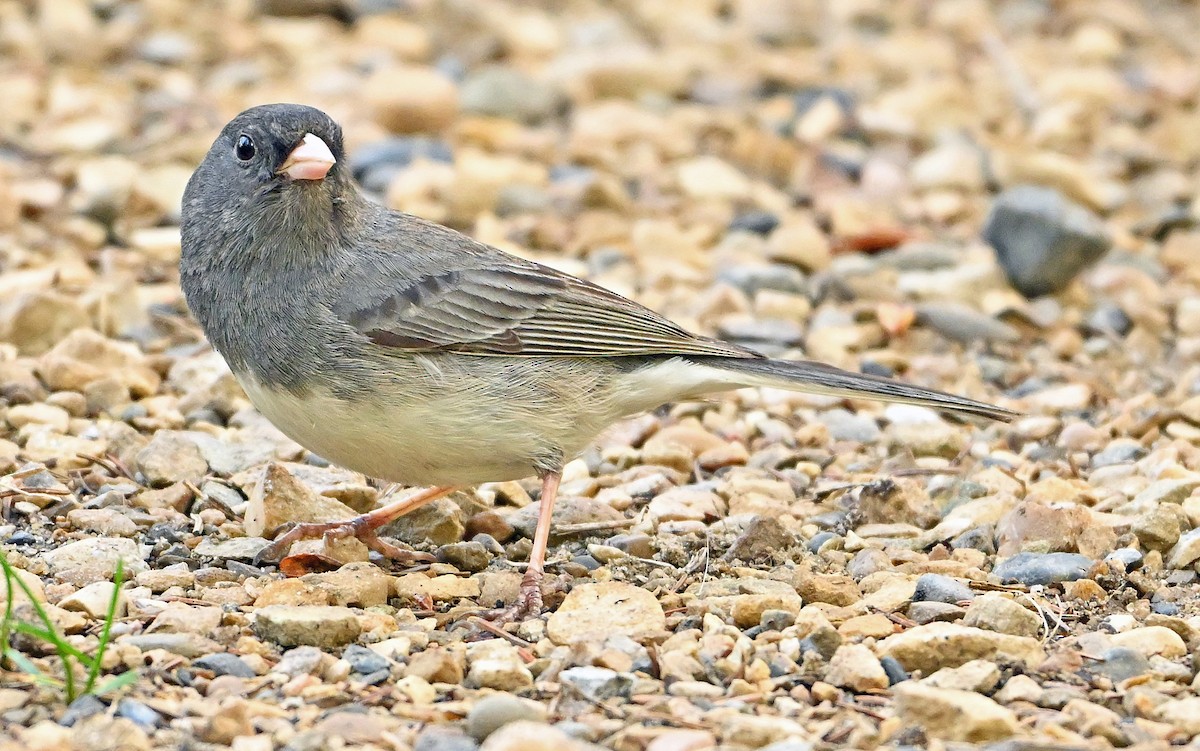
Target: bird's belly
(434, 441)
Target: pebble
(440, 523)
(1042, 239)
(411, 99)
(171, 457)
(1152, 640)
(855, 667)
(953, 715)
(437, 588)
(295, 625)
(499, 91)
(224, 663)
(849, 426)
(1043, 568)
(496, 664)
(597, 611)
(466, 556)
(937, 645)
(95, 599)
(95, 559)
(938, 588)
(494, 711)
(995, 612)
(763, 537)
(526, 735)
(597, 684)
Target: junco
(409, 352)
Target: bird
(411, 353)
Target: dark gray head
(275, 171)
(269, 208)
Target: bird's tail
(819, 378)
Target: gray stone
(235, 548)
(499, 91)
(224, 663)
(964, 324)
(1043, 568)
(597, 683)
(844, 425)
(494, 711)
(365, 661)
(760, 540)
(938, 588)
(1041, 239)
(465, 556)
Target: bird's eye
(244, 149)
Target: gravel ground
(994, 198)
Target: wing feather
(512, 307)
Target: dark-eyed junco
(409, 352)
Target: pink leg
(529, 602)
(363, 527)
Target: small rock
(436, 666)
(497, 664)
(938, 645)
(500, 91)
(1020, 688)
(685, 504)
(567, 511)
(1043, 240)
(597, 684)
(524, 735)
(1123, 663)
(1183, 713)
(953, 715)
(762, 538)
(171, 457)
(492, 712)
(1160, 527)
(1043, 568)
(411, 99)
(443, 738)
(465, 556)
(294, 625)
(855, 667)
(440, 522)
(938, 588)
(37, 320)
(365, 661)
(1152, 640)
(980, 676)
(598, 611)
(995, 612)
(931, 612)
(437, 588)
(190, 646)
(95, 559)
(224, 663)
(94, 600)
(844, 425)
(963, 323)
(279, 498)
(233, 549)
(1186, 550)
(359, 584)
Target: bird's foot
(363, 528)
(528, 604)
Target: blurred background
(747, 166)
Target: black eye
(244, 150)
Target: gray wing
(520, 309)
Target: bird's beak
(310, 160)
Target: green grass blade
(112, 683)
(106, 630)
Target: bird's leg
(364, 527)
(529, 601)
